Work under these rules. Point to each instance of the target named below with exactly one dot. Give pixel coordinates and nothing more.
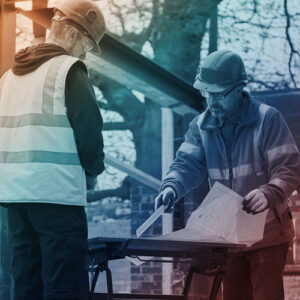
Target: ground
(292, 287)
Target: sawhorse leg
(101, 268)
(188, 281)
(215, 287)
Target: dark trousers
(49, 251)
(256, 275)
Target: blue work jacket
(263, 152)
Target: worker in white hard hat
(247, 146)
(51, 151)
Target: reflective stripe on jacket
(38, 155)
(263, 151)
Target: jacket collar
(247, 115)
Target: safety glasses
(89, 44)
(217, 96)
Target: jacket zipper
(229, 158)
(230, 169)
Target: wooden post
(7, 34)
(213, 31)
(38, 30)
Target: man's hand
(166, 197)
(91, 182)
(255, 202)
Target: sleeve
(189, 167)
(85, 119)
(283, 161)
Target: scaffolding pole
(167, 158)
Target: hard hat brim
(210, 87)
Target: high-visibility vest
(39, 162)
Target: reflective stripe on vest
(39, 157)
(251, 169)
(277, 152)
(218, 174)
(33, 119)
(240, 171)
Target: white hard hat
(87, 14)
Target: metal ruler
(150, 220)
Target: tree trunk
(213, 31)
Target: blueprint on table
(220, 218)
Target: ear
(72, 33)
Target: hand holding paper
(221, 218)
(255, 202)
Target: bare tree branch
(255, 11)
(237, 21)
(138, 8)
(118, 14)
(262, 83)
(289, 39)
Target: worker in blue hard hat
(247, 146)
(51, 152)
(222, 77)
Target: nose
(213, 100)
(214, 104)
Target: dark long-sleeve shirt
(85, 119)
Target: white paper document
(220, 218)
(138, 260)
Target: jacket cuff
(177, 187)
(273, 193)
